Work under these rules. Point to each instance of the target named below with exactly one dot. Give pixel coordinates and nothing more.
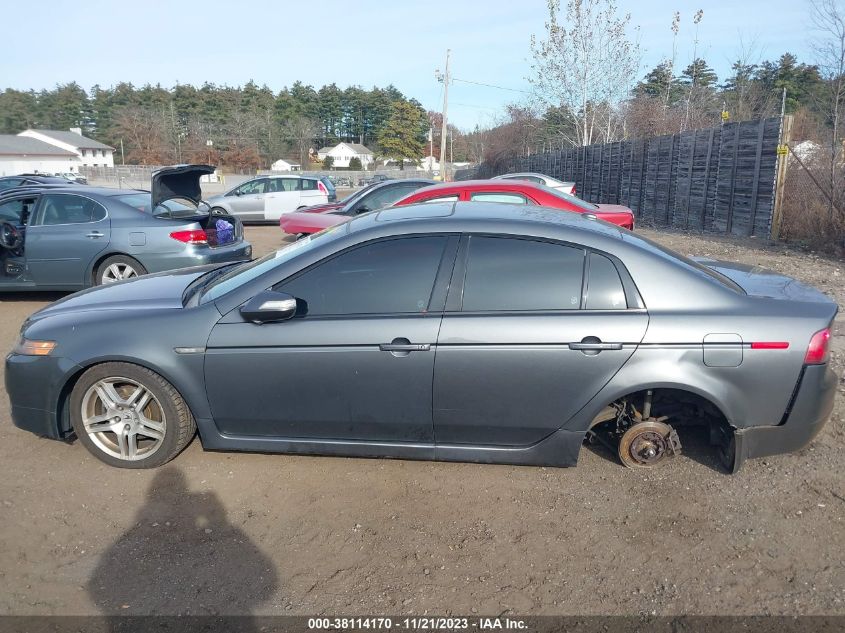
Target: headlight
(27, 347)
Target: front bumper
(34, 385)
(810, 410)
(198, 256)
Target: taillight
(573, 191)
(818, 351)
(322, 187)
(197, 236)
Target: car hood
(301, 222)
(323, 208)
(178, 181)
(150, 292)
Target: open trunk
(221, 229)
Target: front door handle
(400, 347)
(94, 235)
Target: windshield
(177, 208)
(581, 204)
(251, 270)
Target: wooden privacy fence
(720, 180)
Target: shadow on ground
(181, 557)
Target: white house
(284, 165)
(342, 153)
(22, 155)
(430, 163)
(91, 153)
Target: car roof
(74, 189)
(481, 185)
(485, 216)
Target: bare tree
(300, 132)
(828, 17)
(586, 64)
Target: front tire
(118, 268)
(130, 417)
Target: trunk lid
(761, 282)
(178, 181)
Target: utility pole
(122, 156)
(443, 171)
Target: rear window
(179, 208)
(329, 184)
(309, 184)
(581, 204)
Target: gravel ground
(268, 534)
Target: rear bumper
(810, 410)
(198, 256)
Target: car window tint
(604, 287)
(452, 198)
(519, 274)
(8, 183)
(11, 211)
(254, 186)
(510, 198)
(69, 209)
(387, 277)
(381, 198)
(289, 184)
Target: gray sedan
(68, 238)
(449, 331)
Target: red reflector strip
(770, 345)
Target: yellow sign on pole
(783, 150)
(725, 115)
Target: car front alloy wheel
(129, 416)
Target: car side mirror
(269, 307)
(362, 209)
(237, 192)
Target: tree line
(243, 128)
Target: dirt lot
(245, 533)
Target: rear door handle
(94, 234)
(594, 347)
(404, 347)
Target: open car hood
(179, 181)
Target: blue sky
(353, 43)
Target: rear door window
(604, 286)
(506, 197)
(507, 274)
(308, 184)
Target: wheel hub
(647, 444)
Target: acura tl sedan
(72, 237)
(450, 331)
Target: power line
(478, 83)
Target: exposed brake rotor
(647, 444)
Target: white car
(267, 198)
(540, 179)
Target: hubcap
(123, 418)
(118, 271)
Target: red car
(519, 192)
(512, 191)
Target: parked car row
(515, 189)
